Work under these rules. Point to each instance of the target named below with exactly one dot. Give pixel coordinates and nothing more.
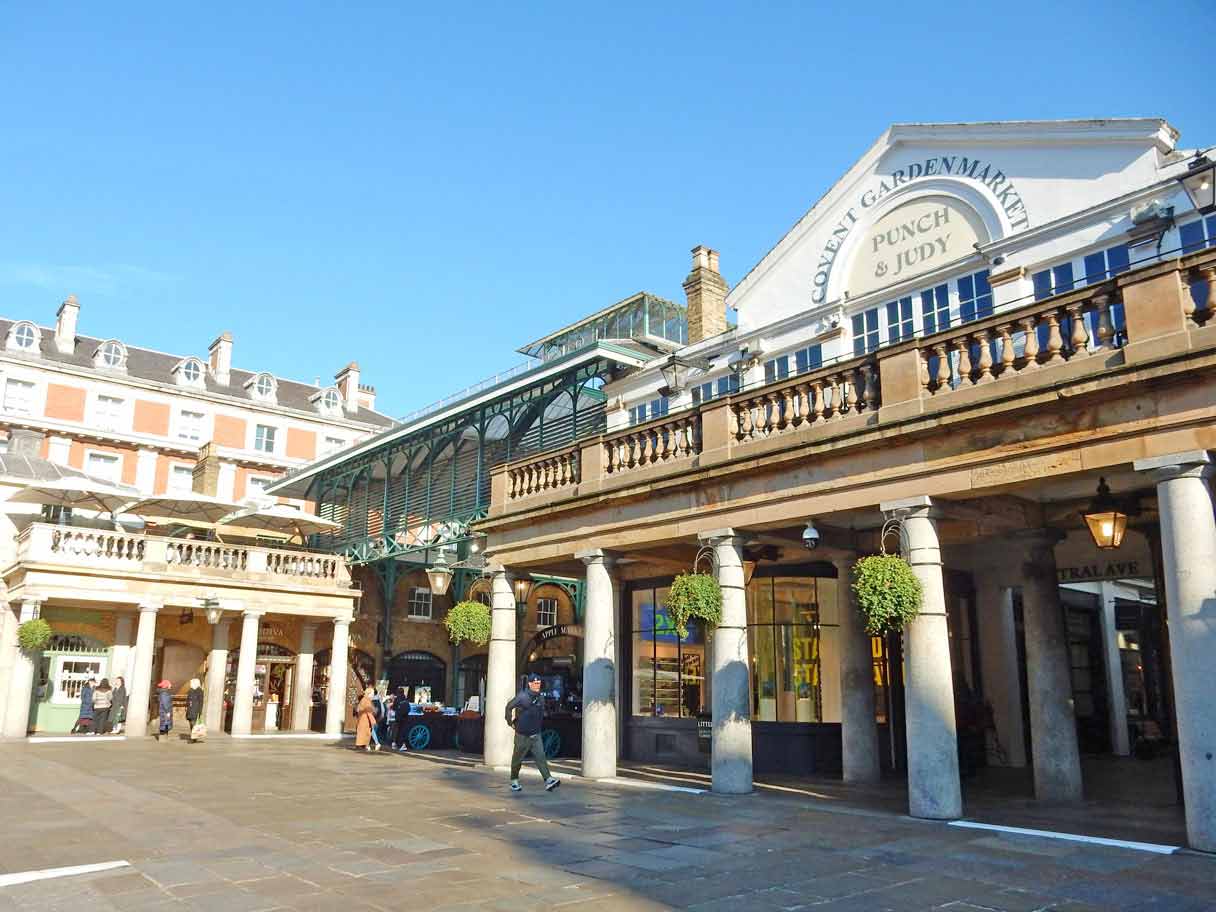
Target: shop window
(1198, 234)
(975, 296)
(790, 642)
(1052, 281)
(668, 674)
(70, 675)
(899, 319)
(546, 612)
(419, 603)
(865, 331)
(935, 308)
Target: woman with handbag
(194, 708)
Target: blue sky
(426, 189)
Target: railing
(96, 545)
(206, 555)
(668, 440)
(811, 399)
(312, 566)
(548, 473)
(120, 551)
(1040, 335)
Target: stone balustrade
(671, 439)
(104, 549)
(814, 398)
(1151, 315)
(550, 472)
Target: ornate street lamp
(439, 574)
(1106, 521)
(523, 588)
(1199, 181)
(213, 609)
(675, 372)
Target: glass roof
(644, 317)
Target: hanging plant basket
(888, 593)
(468, 622)
(694, 595)
(34, 635)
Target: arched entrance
(418, 672)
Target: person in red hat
(164, 703)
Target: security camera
(810, 536)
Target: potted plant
(888, 593)
(34, 635)
(694, 595)
(468, 622)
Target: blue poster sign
(656, 624)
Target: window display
(668, 671)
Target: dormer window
(262, 387)
(111, 355)
(23, 337)
(190, 373)
(328, 401)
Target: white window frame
(332, 445)
(117, 462)
(420, 605)
(108, 348)
(183, 425)
(180, 470)
(274, 438)
(31, 391)
(260, 493)
(12, 344)
(181, 373)
(255, 386)
(546, 608)
(111, 415)
(60, 695)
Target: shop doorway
(68, 661)
(422, 674)
(274, 673)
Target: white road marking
(9, 880)
(1070, 837)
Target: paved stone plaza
(284, 824)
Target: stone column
(1053, 726)
(120, 655)
(858, 729)
(21, 678)
(339, 660)
(217, 671)
(242, 700)
(8, 655)
(599, 666)
(934, 791)
(140, 687)
(1188, 551)
(1116, 696)
(500, 671)
(301, 700)
(731, 757)
(999, 659)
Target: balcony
(1038, 355)
(117, 566)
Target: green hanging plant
(34, 635)
(888, 593)
(694, 595)
(468, 621)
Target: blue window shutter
(1042, 284)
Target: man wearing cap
(525, 713)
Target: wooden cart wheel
(419, 737)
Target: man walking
(525, 713)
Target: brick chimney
(367, 397)
(348, 386)
(221, 358)
(706, 291)
(65, 326)
(206, 478)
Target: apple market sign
(920, 235)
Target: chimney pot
(65, 326)
(348, 385)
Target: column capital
(342, 622)
(1193, 464)
(721, 536)
(151, 606)
(917, 507)
(597, 556)
(254, 612)
(495, 569)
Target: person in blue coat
(84, 722)
(164, 705)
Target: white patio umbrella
(279, 518)
(185, 506)
(77, 493)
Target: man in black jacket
(525, 714)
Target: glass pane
(760, 601)
(694, 698)
(765, 673)
(643, 674)
(804, 673)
